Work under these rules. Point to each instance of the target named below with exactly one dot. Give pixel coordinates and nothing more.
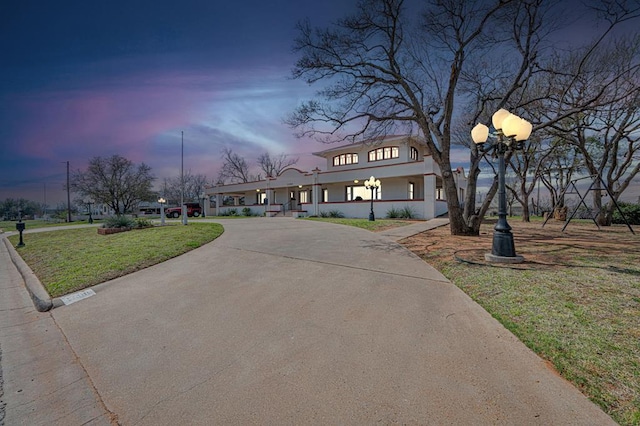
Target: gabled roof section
(368, 143)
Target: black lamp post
(89, 203)
(204, 207)
(511, 132)
(20, 228)
(373, 185)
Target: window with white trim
(357, 193)
(414, 153)
(345, 159)
(384, 153)
(304, 197)
(411, 189)
(325, 195)
(439, 193)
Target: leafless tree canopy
(273, 166)
(234, 168)
(194, 186)
(387, 71)
(116, 182)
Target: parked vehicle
(193, 210)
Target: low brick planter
(108, 231)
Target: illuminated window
(304, 197)
(344, 159)
(439, 194)
(357, 193)
(414, 154)
(385, 153)
(411, 188)
(325, 195)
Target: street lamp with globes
(373, 185)
(511, 132)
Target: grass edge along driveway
(69, 260)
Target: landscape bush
(142, 222)
(332, 213)
(631, 213)
(393, 213)
(230, 212)
(247, 212)
(404, 213)
(120, 221)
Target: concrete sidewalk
(402, 232)
(284, 321)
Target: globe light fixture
(511, 132)
(162, 201)
(373, 184)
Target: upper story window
(384, 153)
(414, 153)
(343, 159)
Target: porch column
(218, 204)
(315, 192)
(429, 196)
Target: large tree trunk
(458, 225)
(526, 216)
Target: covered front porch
(298, 193)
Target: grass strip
(69, 260)
(376, 225)
(575, 301)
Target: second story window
(414, 154)
(344, 159)
(385, 153)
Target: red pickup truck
(193, 210)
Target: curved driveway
(283, 321)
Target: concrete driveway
(283, 321)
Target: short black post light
(89, 203)
(162, 201)
(20, 228)
(511, 132)
(373, 185)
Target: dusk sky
(81, 79)
(85, 78)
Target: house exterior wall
(408, 165)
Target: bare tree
(116, 182)
(273, 166)
(393, 75)
(385, 72)
(194, 186)
(234, 168)
(608, 137)
(560, 164)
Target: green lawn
(72, 259)
(377, 225)
(7, 225)
(575, 301)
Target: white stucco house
(408, 175)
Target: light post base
(372, 217)
(503, 259)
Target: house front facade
(409, 179)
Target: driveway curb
(40, 297)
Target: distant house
(408, 175)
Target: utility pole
(182, 206)
(68, 196)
